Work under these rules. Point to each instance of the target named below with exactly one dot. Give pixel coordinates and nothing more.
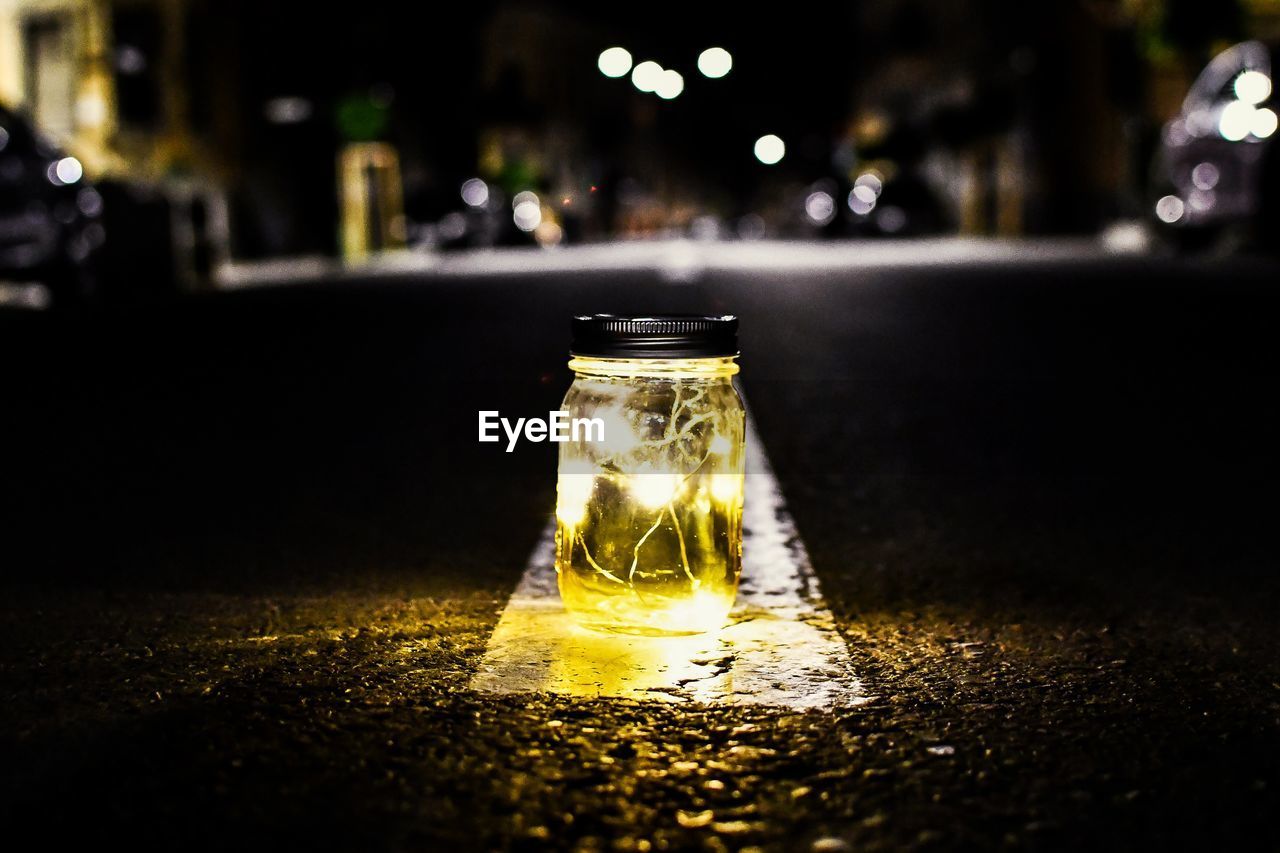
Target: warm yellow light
(573, 491)
(727, 488)
(548, 233)
(649, 517)
(619, 437)
(704, 610)
(654, 490)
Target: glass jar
(649, 515)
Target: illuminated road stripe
(780, 648)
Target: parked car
(1215, 167)
(50, 216)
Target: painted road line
(780, 647)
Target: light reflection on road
(779, 648)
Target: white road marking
(780, 647)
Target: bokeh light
(614, 62)
(68, 170)
(527, 215)
(647, 76)
(475, 192)
(1252, 87)
(862, 199)
(1205, 176)
(820, 207)
(1201, 201)
(1200, 122)
(1236, 120)
(871, 181)
(289, 110)
(1170, 209)
(548, 234)
(670, 86)
(1263, 123)
(715, 62)
(770, 149)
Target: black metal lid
(658, 336)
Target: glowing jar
(649, 518)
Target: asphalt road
(252, 553)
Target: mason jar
(649, 493)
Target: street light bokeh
(871, 181)
(1169, 209)
(862, 199)
(770, 149)
(614, 62)
(1235, 121)
(68, 170)
(647, 76)
(1252, 87)
(715, 62)
(1263, 123)
(670, 86)
(820, 207)
(527, 215)
(475, 192)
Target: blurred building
(535, 76)
(1038, 117)
(110, 81)
(284, 128)
(56, 65)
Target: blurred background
(1007, 288)
(149, 146)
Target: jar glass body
(649, 519)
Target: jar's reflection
(592, 663)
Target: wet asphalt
(252, 553)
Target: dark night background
(251, 552)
